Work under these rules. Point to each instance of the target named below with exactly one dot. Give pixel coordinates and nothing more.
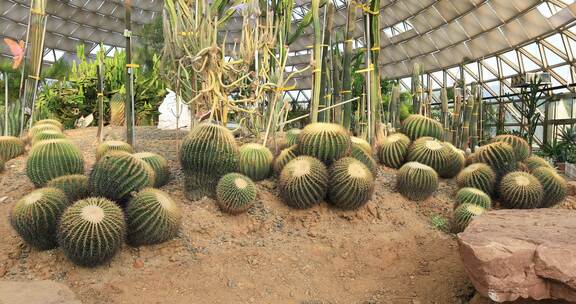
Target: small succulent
(283, 158)
(416, 181)
(235, 193)
(255, 161)
(159, 164)
(520, 146)
(464, 214)
(473, 196)
(10, 147)
(50, 159)
(75, 186)
(555, 186)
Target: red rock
(516, 254)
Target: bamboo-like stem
(445, 119)
(6, 103)
(321, 110)
(456, 116)
(325, 95)
(337, 84)
(317, 62)
(375, 92)
(347, 63)
(416, 87)
(465, 136)
(395, 107)
(474, 138)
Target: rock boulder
(522, 254)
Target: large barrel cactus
(473, 196)
(35, 217)
(326, 141)
(10, 147)
(235, 193)
(255, 161)
(520, 190)
(534, 161)
(455, 163)
(416, 181)
(521, 147)
(47, 135)
(152, 217)
(464, 214)
(430, 152)
(208, 152)
(112, 145)
(117, 174)
(416, 126)
(159, 164)
(303, 182)
(91, 231)
(50, 121)
(498, 155)
(75, 186)
(361, 143)
(351, 184)
(50, 159)
(555, 186)
(393, 149)
(284, 157)
(479, 176)
(366, 158)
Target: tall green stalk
(466, 119)
(325, 94)
(416, 87)
(347, 63)
(317, 64)
(445, 114)
(375, 89)
(337, 83)
(474, 135)
(456, 116)
(395, 107)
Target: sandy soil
(386, 252)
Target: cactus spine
(555, 186)
(325, 141)
(393, 149)
(235, 193)
(284, 157)
(255, 161)
(464, 214)
(521, 148)
(473, 196)
(416, 126)
(416, 181)
(520, 190)
(159, 164)
(303, 182)
(479, 176)
(351, 184)
(53, 158)
(75, 186)
(10, 147)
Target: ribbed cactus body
(520, 146)
(41, 128)
(325, 141)
(464, 214)
(361, 143)
(75, 186)
(520, 190)
(208, 152)
(554, 185)
(416, 181)
(534, 161)
(393, 149)
(498, 155)
(50, 159)
(430, 152)
(479, 176)
(284, 157)
(292, 136)
(49, 121)
(473, 196)
(455, 163)
(35, 217)
(303, 182)
(152, 217)
(10, 147)
(112, 145)
(47, 135)
(91, 231)
(366, 158)
(2, 164)
(255, 161)
(117, 174)
(159, 164)
(117, 110)
(472, 158)
(416, 126)
(235, 193)
(351, 184)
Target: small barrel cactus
(255, 161)
(555, 186)
(498, 155)
(41, 128)
(326, 141)
(303, 182)
(159, 164)
(430, 152)
(47, 135)
(208, 152)
(455, 163)
(284, 157)
(416, 181)
(416, 126)
(235, 193)
(479, 176)
(152, 217)
(364, 157)
(10, 147)
(91, 231)
(361, 143)
(50, 159)
(521, 147)
(75, 186)
(118, 174)
(520, 190)
(393, 149)
(49, 121)
(351, 184)
(112, 145)
(35, 217)
(292, 136)
(464, 214)
(473, 196)
(534, 161)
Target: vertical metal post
(129, 74)
(368, 79)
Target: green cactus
(479, 176)
(534, 161)
(472, 158)
(91, 231)
(75, 186)
(361, 143)
(2, 165)
(521, 166)
(152, 217)
(473, 196)
(520, 190)
(521, 147)
(112, 145)
(416, 126)
(464, 214)
(303, 182)
(235, 193)
(50, 159)
(326, 141)
(555, 186)
(292, 136)
(117, 174)
(416, 181)
(41, 128)
(366, 158)
(393, 149)
(159, 164)
(255, 161)
(35, 217)
(430, 152)
(498, 155)
(53, 122)
(47, 135)
(283, 158)
(455, 163)
(10, 147)
(208, 152)
(351, 184)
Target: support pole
(129, 74)
(100, 94)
